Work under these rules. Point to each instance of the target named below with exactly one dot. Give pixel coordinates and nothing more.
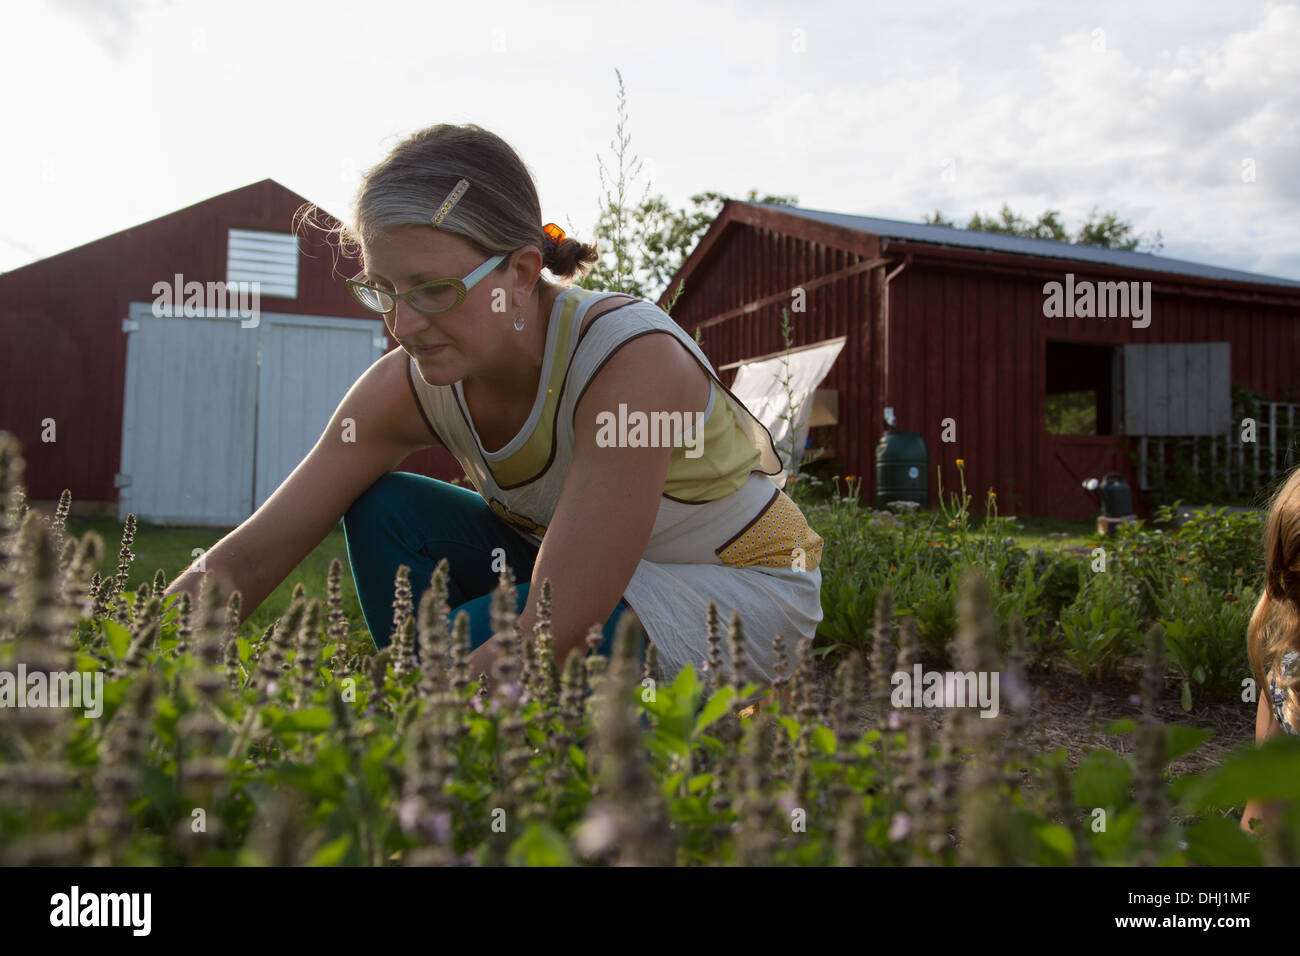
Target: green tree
(1110, 231)
(1103, 229)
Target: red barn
(197, 416)
(962, 337)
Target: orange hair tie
(554, 235)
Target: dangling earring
(519, 320)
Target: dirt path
(1063, 702)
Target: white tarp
(762, 386)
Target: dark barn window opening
(1081, 389)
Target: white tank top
(750, 551)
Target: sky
(1182, 117)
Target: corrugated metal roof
(973, 239)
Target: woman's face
(468, 338)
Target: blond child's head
(1275, 623)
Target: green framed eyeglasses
(430, 298)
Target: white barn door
(188, 417)
(215, 415)
(308, 364)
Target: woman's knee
(379, 496)
(392, 492)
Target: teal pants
(410, 519)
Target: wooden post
(1291, 422)
(1232, 445)
(1272, 437)
(880, 352)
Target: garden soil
(1072, 714)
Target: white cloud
(126, 111)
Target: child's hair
(497, 214)
(1274, 625)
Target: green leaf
(1115, 842)
(88, 662)
(114, 694)
(710, 743)
(540, 845)
(1056, 838)
(691, 810)
(165, 721)
(1102, 779)
(314, 720)
(699, 782)
(578, 757)
(1181, 739)
(332, 854)
(483, 731)
(119, 638)
(1125, 725)
(1216, 841)
(168, 606)
(380, 749)
(157, 787)
(823, 739)
(670, 784)
(1186, 698)
(677, 716)
(717, 705)
(1268, 772)
(317, 781)
(687, 682)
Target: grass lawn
(170, 548)
(1056, 533)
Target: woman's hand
(611, 496)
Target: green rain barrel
(902, 469)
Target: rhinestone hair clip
(452, 198)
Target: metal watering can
(1114, 493)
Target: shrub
(1101, 628)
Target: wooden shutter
(1177, 388)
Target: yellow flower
(993, 494)
(1186, 580)
(961, 462)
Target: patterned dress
(725, 532)
(1277, 692)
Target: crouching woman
(549, 396)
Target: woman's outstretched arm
(1266, 726)
(611, 496)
